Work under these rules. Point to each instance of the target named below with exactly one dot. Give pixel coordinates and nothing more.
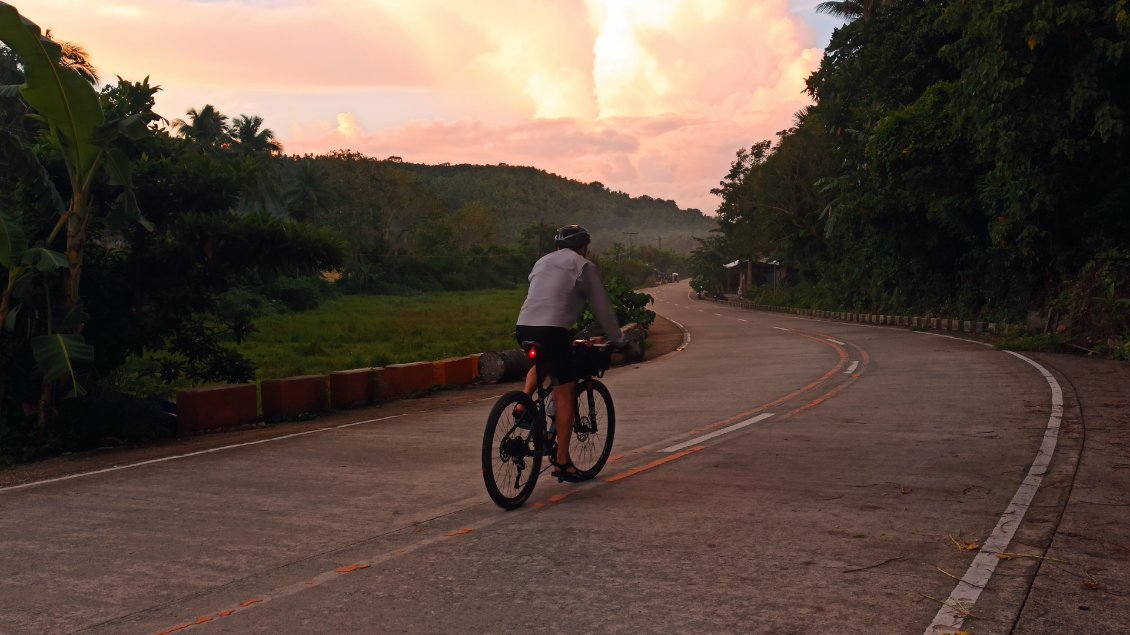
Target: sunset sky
(646, 96)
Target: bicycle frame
(514, 443)
(543, 392)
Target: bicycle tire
(594, 429)
(511, 452)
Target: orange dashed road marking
(351, 568)
(819, 400)
(840, 365)
(557, 498)
(654, 464)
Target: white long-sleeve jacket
(560, 283)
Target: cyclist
(560, 283)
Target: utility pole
(630, 241)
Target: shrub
(629, 304)
(106, 417)
(1095, 307)
(300, 294)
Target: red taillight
(532, 353)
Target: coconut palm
(850, 9)
(207, 127)
(251, 138)
(75, 57)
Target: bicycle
(514, 444)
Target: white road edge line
(965, 594)
(780, 328)
(851, 368)
(836, 342)
(686, 335)
(116, 468)
(716, 433)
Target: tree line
(967, 159)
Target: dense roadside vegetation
(968, 159)
(144, 254)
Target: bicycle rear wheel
(512, 450)
(594, 430)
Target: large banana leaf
(56, 356)
(13, 242)
(59, 95)
(44, 259)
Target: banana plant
(55, 353)
(68, 108)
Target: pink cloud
(647, 96)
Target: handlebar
(600, 346)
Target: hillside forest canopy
(139, 250)
(961, 159)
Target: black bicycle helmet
(572, 236)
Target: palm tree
(250, 138)
(75, 57)
(308, 190)
(850, 9)
(206, 127)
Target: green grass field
(363, 331)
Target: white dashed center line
(717, 433)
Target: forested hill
(523, 196)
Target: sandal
(566, 472)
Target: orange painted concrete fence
(402, 380)
(218, 407)
(202, 409)
(291, 396)
(456, 371)
(353, 388)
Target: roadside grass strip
(961, 600)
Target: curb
(914, 322)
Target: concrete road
(777, 475)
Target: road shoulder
(1084, 579)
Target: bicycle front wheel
(512, 450)
(594, 430)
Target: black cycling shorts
(556, 351)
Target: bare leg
(531, 380)
(529, 387)
(563, 396)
